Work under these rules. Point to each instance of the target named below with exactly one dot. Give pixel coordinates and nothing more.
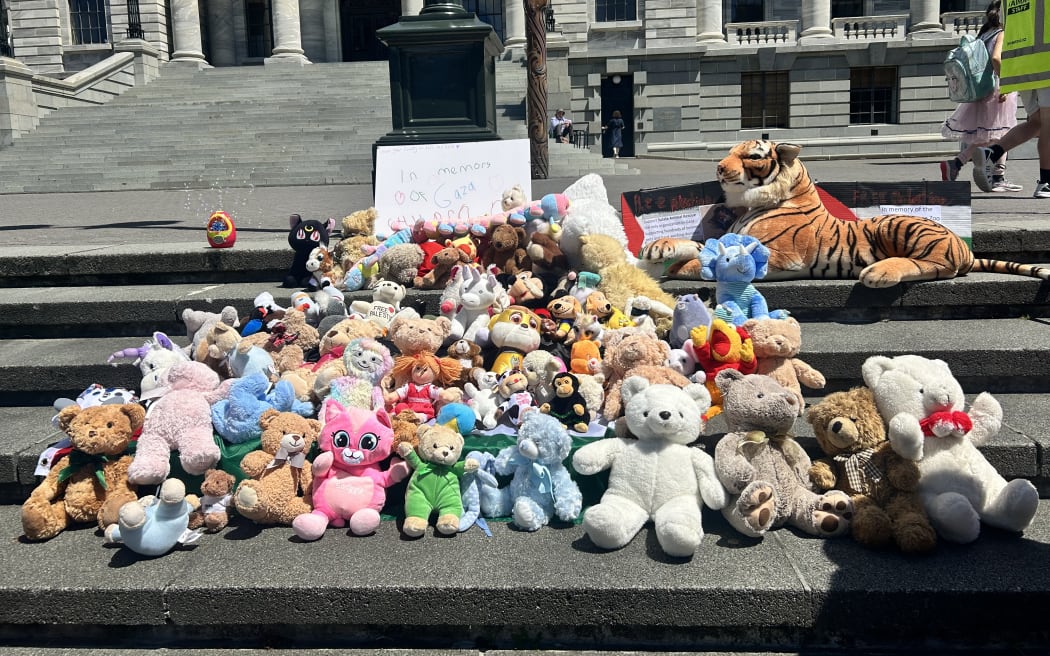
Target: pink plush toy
(179, 420)
(349, 486)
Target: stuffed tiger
(778, 203)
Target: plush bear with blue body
(153, 525)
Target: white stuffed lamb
(655, 476)
(922, 404)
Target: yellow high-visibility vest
(1026, 46)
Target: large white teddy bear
(655, 476)
(922, 404)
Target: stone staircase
(240, 127)
(548, 590)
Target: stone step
(548, 589)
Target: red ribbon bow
(959, 420)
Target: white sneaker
(999, 186)
(982, 168)
(1042, 190)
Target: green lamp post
(442, 77)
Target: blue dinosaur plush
(733, 261)
(236, 418)
(152, 526)
(471, 487)
(541, 486)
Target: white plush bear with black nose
(656, 476)
(922, 404)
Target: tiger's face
(750, 165)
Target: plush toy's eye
(533, 324)
(760, 395)
(516, 317)
(109, 424)
(645, 414)
(369, 441)
(921, 391)
(340, 439)
(315, 236)
(681, 416)
(435, 446)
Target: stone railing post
(18, 109)
(147, 59)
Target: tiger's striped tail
(1014, 268)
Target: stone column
(709, 23)
(220, 33)
(287, 33)
(36, 33)
(925, 19)
(513, 30)
(186, 28)
(313, 22)
(816, 20)
(18, 109)
(411, 7)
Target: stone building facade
(689, 76)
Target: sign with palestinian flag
(695, 212)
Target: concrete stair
(241, 127)
(550, 590)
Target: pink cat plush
(349, 483)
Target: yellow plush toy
(620, 280)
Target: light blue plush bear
(236, 418)
(471, 485)
(153, 525)
(733, 261)
(541, 487)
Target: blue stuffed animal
(471, 485)
(152, 526)
(733, 261)
(236, 418)
(541, 487)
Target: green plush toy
(435, 480)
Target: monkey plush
(568, 406)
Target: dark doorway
(618, 94)
(359, 21)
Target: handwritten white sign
(448, 182)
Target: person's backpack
(968, 71)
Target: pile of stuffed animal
(548, 332)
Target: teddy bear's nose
(665, 415)
(836, 426)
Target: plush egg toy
(221, 231)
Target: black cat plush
(303, 237)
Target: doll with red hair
(427, 378)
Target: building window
(488, 11)
(87, 21)
(764, 100)
(873, 95)
(956, 5)
(847, 8)
(608, 11)
(748, 11)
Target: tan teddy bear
(215, 348)
(278, 486)
(216, 495)
(861, 463)
(776, 343)
(443, 261)
(358, 229)
(620, 280)
(90, 483)
(287, 342)
(506, 250)
(635, 355)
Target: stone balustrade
(764, 33)
(870, 28)
(962, 22)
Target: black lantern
(5, 37)
(134, 21)
(548, 15)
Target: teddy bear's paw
(872, 527)
(914, 534)
(527, 515)
(757, 505)
(447, 524)
(836, 502)
(1014, 507)
(828, 525)
(954, 518)
(364, 522)
(246, 500)
(111, 534)
(310, 526)
(132, 516)
(415, 527)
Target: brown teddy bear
(287, 342)
(546, 255)
(406, 426)
(620, 280)
(358, 229)
(443, 261)
(468, 354)
(861, 463)
(776, 343)
(215, 347)
(216, 494)
(401, 262)
(635, 355)
(278, 486)
(506, 250)
(90, 483)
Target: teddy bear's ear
(725, 379)
(65, 417)
(699, 394)
(135, 412)
(267, 417)
(873, 369)
(631, 386)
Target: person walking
(1024, 70)
(979, 123)
(615, 127)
